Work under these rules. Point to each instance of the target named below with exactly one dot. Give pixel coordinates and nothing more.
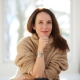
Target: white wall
(8, 68)
(74, 62)
(75, 31)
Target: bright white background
(9, 69)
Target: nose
(45, 26)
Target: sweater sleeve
(25, 58)
(57, 64)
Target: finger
(45, 38)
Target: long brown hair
(59, 41)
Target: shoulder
(29, 43)
(24, 42)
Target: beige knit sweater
(55, 59)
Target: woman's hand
(43, 41)
(25, 77)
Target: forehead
(42, 16)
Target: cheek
(50, 28)
(38, 28)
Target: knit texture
(55, 59)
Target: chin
(46, 35)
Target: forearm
(25, 77)
(39, 67)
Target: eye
(49, 22)
(40, 22)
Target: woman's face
(43, 24)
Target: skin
(43, 24)
(43, 28)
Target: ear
(34, 28)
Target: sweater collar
(35, 39)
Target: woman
(43, 55)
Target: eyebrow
(42, 20)
(49, 20)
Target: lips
(44, 31)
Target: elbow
(65, 67)
(37, 75)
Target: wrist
(39, 54)
(40, 50)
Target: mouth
(44, 31)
